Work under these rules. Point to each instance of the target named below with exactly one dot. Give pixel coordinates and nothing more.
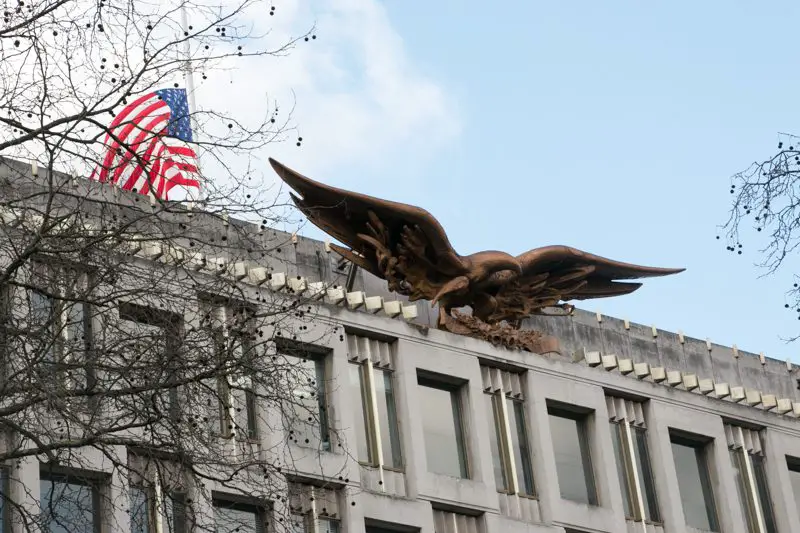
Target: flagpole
(194, 194)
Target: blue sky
(613, 127)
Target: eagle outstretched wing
(401, 243)
(555, 274)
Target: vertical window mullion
(158, 514)
(505, 447)
(376, 446)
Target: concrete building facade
(628, 429)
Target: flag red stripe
(133, 148)
(123, 136)
(125, 112)
(140, 168)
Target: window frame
(366, 371)
(6, 509)
(228, 426)
(56, 290)
(793, 466)
(171, 326)
(457, 400)
(229, 324)
(239, 503)
(747, 462)
(501, 422)
(703, 453)
(629, 432)
(320, 356)
(582, 418)
(95, 481)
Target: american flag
(149, 150)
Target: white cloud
(359, 97)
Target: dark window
(251, 412)
(570, 434)
(694, 483)
(327, 525)
(69, 504)
(43, 319)
(156, 335)
(60, 321)
(794, 476)
(175, 512)
(143, 507)
(307, 413)
(235, 517)
(375, 526)
(443, 426)
(5, 508)
(235, 393)
(141, 511)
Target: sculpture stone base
(500, 334)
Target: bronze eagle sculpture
(406, 246)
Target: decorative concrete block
(410, 312)
(737, 394)
(674, 378)
(641, 370)
(277, 281)
(355, 299)
(592, 358)
(373, 304)
(316, 290)
(257, 275)
(769, 401)
(152, 250)
(239, 270)
(722, 390)
(690, 381)
(392, 308)
(625, 366)
(297, 284)
(197, 261)
(174, 256)
(752, 397)
(215, 265)
(783, 406)
(706, 386)
(609, 361)
(335, 295)
(658, 373)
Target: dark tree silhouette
(147, 370)
(766, 210)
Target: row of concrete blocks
(242, 271)
(734, 350)
(690, 382)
